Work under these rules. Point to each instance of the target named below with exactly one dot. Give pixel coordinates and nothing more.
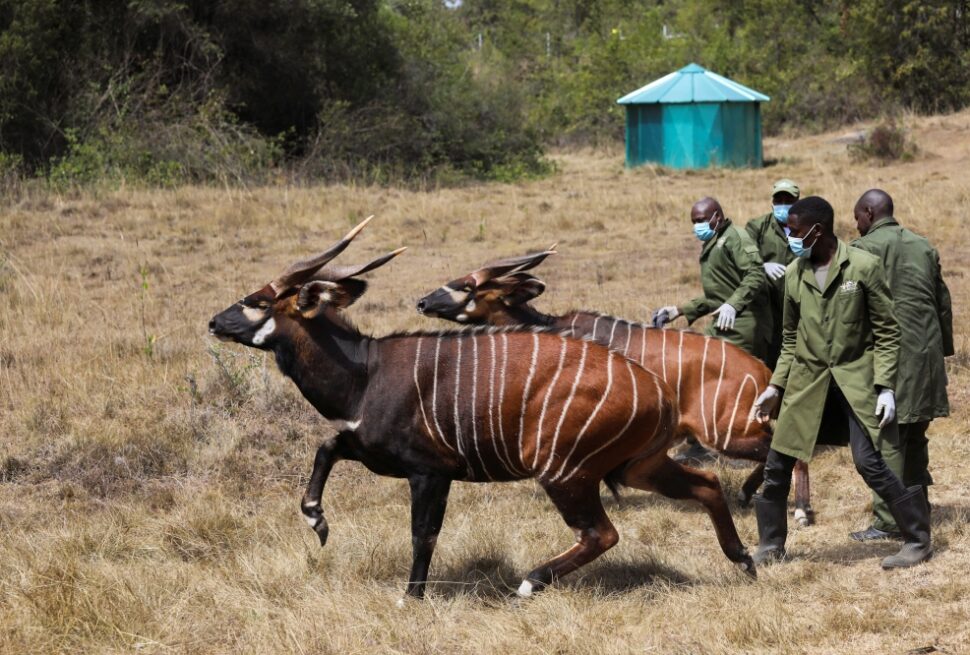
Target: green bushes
(886, 142)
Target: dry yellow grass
(149, 502)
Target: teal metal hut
(693, 118)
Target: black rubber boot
(772, 529)
(912, 515)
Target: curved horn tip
(360, 226)
(552, 248)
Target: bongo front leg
(751, 484)
(804, 514)
(429, 499)
(583, 512)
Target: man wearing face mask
(770, 233)
(733, 280)
(921, 301)
(837, 366)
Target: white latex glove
(774, 270)
(665, 315)
(766, 403)
(886, 407)
(725, 317)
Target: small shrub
(886, 142)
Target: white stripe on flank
(737, 400)
(434, 396)
(680, 362)
(491, 401)
(565, 408)
(572, 324)
(461, 450)
(525, 394)
(663, 354)
(501, 398)
(417, 385)
(717, 391)
(592, 334)
(626, 426)
(545, 402)
(707, 341)
(599, 405)
(474, 412)
(629, 333)
(643, 345)
(612, 332)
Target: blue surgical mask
(781, 213)
(703, 231)
(797, 245)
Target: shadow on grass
(494, 580)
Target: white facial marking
(264, 332)
(453, 295)
(470, 307)
(253, 314)
(525, 589)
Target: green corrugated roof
(692, 83)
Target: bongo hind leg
(582, 511)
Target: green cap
(785, 186)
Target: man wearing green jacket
(770, 234)
(733, 280)
(839, 357)
(921, 302)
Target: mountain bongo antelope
(477, 405)
(716, 383)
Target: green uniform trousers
(909, 460)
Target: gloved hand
(766, 403)
(774, 270)
(665, 315)
(725, 317)
(886, 407)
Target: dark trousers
(916, 454)
(866, 457)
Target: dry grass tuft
(150, 479)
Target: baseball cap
(785, 186)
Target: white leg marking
(311, 520)
(525, 394)
(737, 401)
(599, 405)
(312, 503)
(565, 409)
(474, 415)
(545, 401)
(717, 390)
(260, 337)
(525, 589)
(457, 413)
(707, 341)
(626, 426)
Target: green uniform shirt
(732, 272)
(845, 332)
(772, 242)
(921, 302)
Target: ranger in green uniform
(733, 280)
(839, 356)
(921, 302)
(770, 233)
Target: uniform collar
(778, 227)
(882, 222)
(717, 237)
(839, 260)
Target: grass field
(151, 477)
